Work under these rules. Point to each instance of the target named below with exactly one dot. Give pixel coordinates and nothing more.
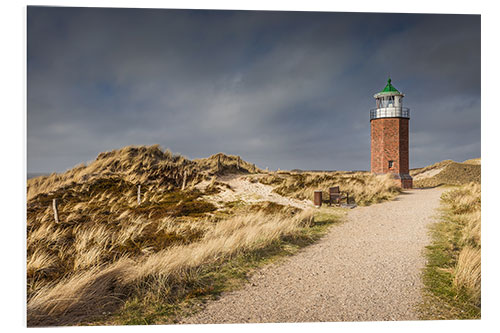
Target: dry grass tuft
(468, 273)
(466, 199)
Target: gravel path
(366, 269)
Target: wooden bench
(336, 196)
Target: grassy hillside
(141, 165)
(447, 172)
(110, 254)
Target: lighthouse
(389, 123)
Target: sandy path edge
(367, 269)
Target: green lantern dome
(389, 88)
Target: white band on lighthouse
(398, 112)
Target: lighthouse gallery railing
(398, 112)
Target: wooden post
(139, 194)
(54, 208)
(219, 166)
(184, 180)
(238, 163)
(318, 198)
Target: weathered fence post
(238, 163)
(219, 166)
(318, 198)
(184, 180)
(54, 208)
(139, 194)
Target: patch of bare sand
(241, 187)
(428, 174)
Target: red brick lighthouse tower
(390, 135)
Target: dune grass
(452, 276)
(175, 274)
(451, 173)
(145, 165)
(102, 228)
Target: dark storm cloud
(281, 89)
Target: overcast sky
(282, 89)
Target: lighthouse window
(391, 163)
(384, 102)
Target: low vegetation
(168, 276)
(364, 188)
(109, 254)
(453, 273)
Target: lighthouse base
(405, 179)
